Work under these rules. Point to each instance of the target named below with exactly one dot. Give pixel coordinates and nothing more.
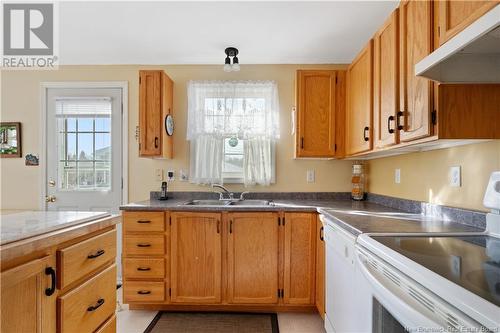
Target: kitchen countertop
(16, 226)
(354, 216)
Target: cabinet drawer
(82, 258)
(109, 326)
(87, 307)
(143, 221)
(144, 268)
(142, 291)
(144, 245)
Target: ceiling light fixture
(231, 52)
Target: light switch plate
(397, 176)
(455, 176)
(310, 176)
(183, 175)
(170, 175)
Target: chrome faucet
(221, 194)
(242, 195)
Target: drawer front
(144, 268)
(142, 291)
(109, 326)
(144, 245)
(143, 221)
(82, 258)
(87, 307)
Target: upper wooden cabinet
(359, 112)
(252, 258)
(415, 92)
(386, 83)
(455, 15)
(155, 103)
(196, 258)
(320, 97)
(299, 258)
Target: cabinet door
(150, 112)
(195, 258)
(415, 92)
(316, 90)
(455, 15)
(299, 258)
(386, 82)
(252, 256)
(360, 102)
(320, 268)
(25, 306)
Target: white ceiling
(198, 32)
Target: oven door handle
(403, 307)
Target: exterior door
(196, 252)
(84, 149)
(252, 254)
(415, 92)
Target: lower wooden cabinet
(196, 256)
(232, 260)
(299, 258)
(26, 307)
(252, 258)
(320, 268)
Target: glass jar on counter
(358, 181)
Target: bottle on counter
(358, 181)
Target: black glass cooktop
(472, 262)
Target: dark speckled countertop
(354, 216)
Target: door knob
(50, 198)
(52, 183)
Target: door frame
(44, 86)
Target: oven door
(395, 302)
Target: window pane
(233, 164)
(103, 146)
(85, 124)
(103, 175)
(103, 124)
(85, 146)
(71, 124)
(85, 175)
(67, 175)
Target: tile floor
(136, 321)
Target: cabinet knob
(156, 142)
(389, 129)
(365, 136)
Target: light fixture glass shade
(227, 68)
(236, 67)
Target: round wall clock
(169, 125)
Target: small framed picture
(10, 140)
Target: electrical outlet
(158, 175)
(455, 176)
(170, 175)
(183, 175)
(397, 176)
(310, 176)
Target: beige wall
(20, 101)
(425, 175)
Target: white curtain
(257, 161)
(206, 160)
(247, 110)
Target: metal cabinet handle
(143, 245)
(398, 120)
(366, 129)
(143, 221)
(144, 292)
(50, 271)
(231, 226)
(302, 143)
(100, 302)
(218, 226)
(156, 142)
(389, 129)
(321, 230)
(143, 269)
(97, 254)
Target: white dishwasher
(342, 307)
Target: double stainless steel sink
(235, 202)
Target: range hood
(472, 56)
